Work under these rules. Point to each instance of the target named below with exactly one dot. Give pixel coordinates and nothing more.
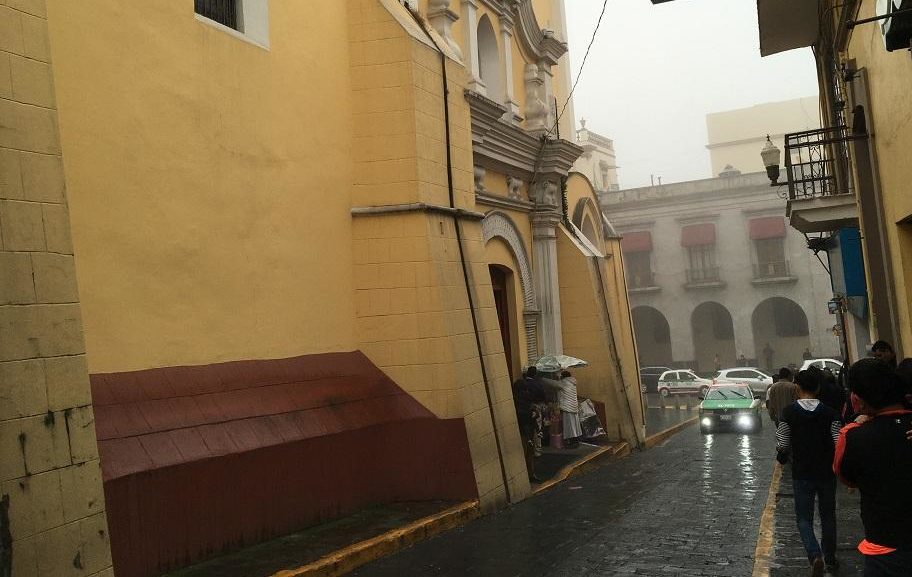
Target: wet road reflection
(690, 507)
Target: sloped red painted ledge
(204, 459)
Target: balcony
(820, 198)
(642, 282)
(706, 277)
(772, 272)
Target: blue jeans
(895, 564)
(825, 491)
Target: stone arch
(713, 333)
(588, 218)
(489, 67)
(498, 224)
(781, 334)
(653, 336)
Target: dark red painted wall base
(168, 518)
(200, 460)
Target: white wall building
(714, 269)
(598, 162)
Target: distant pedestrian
(768, 356)
(742, 360)
(568, 401)
(876, 457)
(781, 394)
(806, 355)
(717, 362)
(884, 351)
(831, 394)
(807, 432)
(527, 391)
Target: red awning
(698, 234)
(767, 227)
(640, 241)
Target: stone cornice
(415, 207)
(540, 43)
(503, 202)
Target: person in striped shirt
(807, 435)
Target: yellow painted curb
(764, 551)
(654, 440)
(350, 558)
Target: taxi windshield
(723, 393)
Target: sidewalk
(788, 558)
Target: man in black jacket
(527, 391)
(874, 455)
(808, 430)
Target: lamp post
(771, 156)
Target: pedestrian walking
(884, 351)
(717, 362)
(568, 401)
(874, 455)
(831, 394)
(807, 432)
(527, 391)
(781, 394)
(768, 356)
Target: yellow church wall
(889, 121)
(412, 310)
(189, 251)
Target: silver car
(682, 382)
(758, 380)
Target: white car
(756, 379)
(832, 364)
(682, 381)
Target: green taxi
(731, 407)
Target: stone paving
(690, 507)
(789, 558)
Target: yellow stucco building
(862, 57)
(313, 244)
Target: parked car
(731, 407)
(758, 380)
(682, 382)
(649, 378)
(832, 364)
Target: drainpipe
(462, 258)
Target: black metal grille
(771, 269)
(813, 159)
(222, 11)
(701, 275)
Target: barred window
(225, 12)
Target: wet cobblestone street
(689, 507)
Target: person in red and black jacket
(874, 455)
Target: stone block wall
(52, 513)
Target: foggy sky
(654, 73)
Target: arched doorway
(502, 284)
(780, 333)
(713, 334)
(653, 336)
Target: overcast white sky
(655, 71)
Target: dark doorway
(500, 282)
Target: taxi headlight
(706, 422)
(745, 421)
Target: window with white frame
(248, 17)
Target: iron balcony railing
(641, 280)
(771, 269)
(222, 11)
(817, 163)
(703, 275)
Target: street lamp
(771, 156)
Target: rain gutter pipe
(462, 259)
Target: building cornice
(503, 202)
(505, 147)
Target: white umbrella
(554, 363)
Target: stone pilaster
(545, 218)
(441, 18)
(470, 38)
(506, 37)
